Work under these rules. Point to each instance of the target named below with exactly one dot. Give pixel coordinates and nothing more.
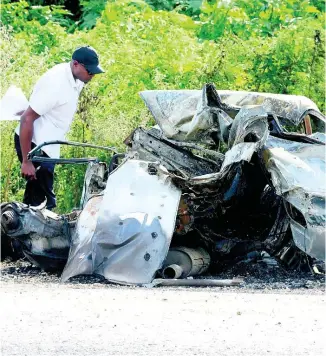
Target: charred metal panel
(176, 159)
(93, 181)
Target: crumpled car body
(218, 177)
(298, 175)
(294, 164)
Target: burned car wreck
(219, 177)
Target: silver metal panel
(185, 114)
(291, 107)
(135, 224)
(311, 240)
(294, 165)
(126, 236)
(80, 255)
(298, 174)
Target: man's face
(80, 72)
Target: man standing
(52, 106)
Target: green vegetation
(272, 46)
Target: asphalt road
(102, 319)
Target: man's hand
(28, 170)
(25, 138)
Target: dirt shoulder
(256, 278)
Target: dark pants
(38, 190)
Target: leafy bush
(252, 18)
(187, 7)
(91, 11)
(292, 62)
(21, 16)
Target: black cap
(87, 56)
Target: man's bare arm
(25, 137)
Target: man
(52, 106)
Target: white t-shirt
(54, 98)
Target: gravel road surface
(272, 313)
